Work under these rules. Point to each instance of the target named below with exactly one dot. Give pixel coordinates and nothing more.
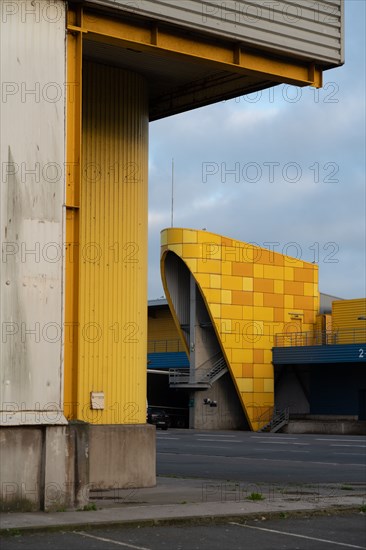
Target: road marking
(346, 545)
(118, 543)
(211, 447)
(259, 459)
(329, 439)
(278, 442)
(219, 440)
(210, 435)
(166, 437)
(285, 451)
(284, 443)
(341, 445)
(350, 454)
(260, 450)
(277, 437)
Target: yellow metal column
(73, 176)
(113, 247)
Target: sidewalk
(177, 499)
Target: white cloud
(250, 191)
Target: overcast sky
(301, 157)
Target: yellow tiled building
(251, 294)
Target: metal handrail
(207, 374)
(203, 375)
(211, 360)
(321, 338)
(178, 376)
(278, 417)
(266, 414)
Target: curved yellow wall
(251, 294)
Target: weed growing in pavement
(255, 496)
(92, 507)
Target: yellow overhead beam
(225, 56)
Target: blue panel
(305, 355)
(167, 360)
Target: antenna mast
(172, 208)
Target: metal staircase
(279, 419)
(204, 376)
(212, 374)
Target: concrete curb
(179, 519)
(189, 501)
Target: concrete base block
(21, 469)
(52, 468)
(79, 449)
(122, 456)
(58, 467)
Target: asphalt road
(315, 533)
(265, 458)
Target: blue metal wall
(307, 355)
(167, 360)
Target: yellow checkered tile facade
(251, 294)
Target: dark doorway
(362, 405)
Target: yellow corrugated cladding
(349, 320)
(257, 297)
(113, 246)
(161, 326)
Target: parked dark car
(158, 417)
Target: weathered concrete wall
(228, 415)
(32, 157)
(292, 389)
(122, 456)
(38, 469)
(20, 470)
(53, 467)
(205, 339)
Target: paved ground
(248, 493)
(308, 533)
